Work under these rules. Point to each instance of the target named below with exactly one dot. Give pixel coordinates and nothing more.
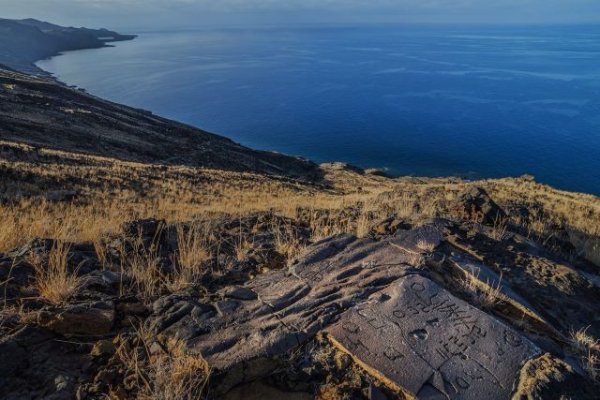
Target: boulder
(240, 293)
(389, 226)
(476, 205)
(145, 228)
(15, 273)
(80, 319)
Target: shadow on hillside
(44, 113)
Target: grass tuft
(54, 281)
(192, 253)
(162, 372)
(588, 349)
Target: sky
(141, 14)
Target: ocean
(474, 102)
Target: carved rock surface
(373, 299)
(292, 306)
(437, 311)
(417, 337)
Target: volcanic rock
(476, 205)
(80, 319)
(373, 302)
(452, 348)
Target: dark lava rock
(16, 273)
(146, 228)
(476, 205)
(81, 319)
(36, 364)
(240, 293)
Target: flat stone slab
(421, 340)
(292, 306)
(368, 298)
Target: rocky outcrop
(433, 311)
(80, 319)
(377, 301)
(476, 205)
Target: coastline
(44, 73)
(335, 164)
(26, 42)
(341, 166)
(363, 166)
(425, 127)
(145, 258)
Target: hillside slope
(116, 273)
(44, 113)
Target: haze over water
(434, 101)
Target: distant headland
(28, 40)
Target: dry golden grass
(425, 245)
(141, 266)
(166, 373)
(177, 375)
(588, 349)
(487, 295)
(100, 250)
(54, 281)
(141, 262)
(30, 219)
(111, 192)
(499, 229)
(550, 209)
(192, 253)
(242, 247)
(287, 241)
(322, 228)
(363, 225)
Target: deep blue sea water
(434, 101)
